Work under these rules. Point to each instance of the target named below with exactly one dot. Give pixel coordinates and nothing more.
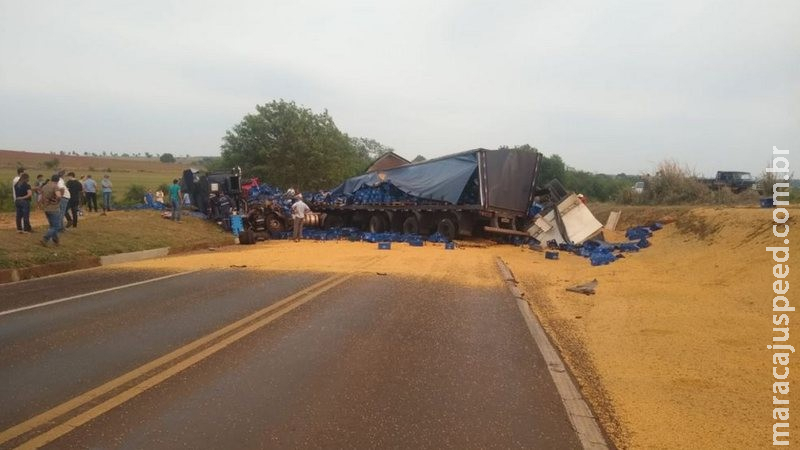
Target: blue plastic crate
(551, 255)
(449, 245)
(766, 202)
(384, 245)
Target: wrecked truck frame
(470, 193)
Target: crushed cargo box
(579, 224)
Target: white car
(638, 187)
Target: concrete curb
(27, 273)
(580, 415)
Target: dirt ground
(670, 352)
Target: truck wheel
(377, 223)
(333, 221)
(247, 237)
(447, 228)
(274, 224)
(411, 225)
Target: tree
(290, 146)
(167, 158)
(552, 167)
(369, 149)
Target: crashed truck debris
(579, 223)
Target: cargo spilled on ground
(669, 351)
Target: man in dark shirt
(75, 187)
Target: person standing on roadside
(22, 202)
(175, 199)
(14, 180)
(106, 185)
(299, 210)
(90, 188)
(51, 200)
(37, 189)
(74, 187)
(62, 186)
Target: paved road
(306, 361)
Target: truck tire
(333, 221)
(274, 224)
(411, 225)
(447, 228)
(247, 237)
(377, 223)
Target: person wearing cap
(299, 210)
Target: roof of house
(388, 160)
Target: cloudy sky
(611, 86)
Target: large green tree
(369, 149)
(287, 145)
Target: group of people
(60, 197)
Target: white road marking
(102, 291)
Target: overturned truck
(465, 194)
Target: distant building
(388, 160)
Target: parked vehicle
(736, 181)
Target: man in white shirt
(299, 210)
(20, 171)
(62, 186)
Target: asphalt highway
(245, 359)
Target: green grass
(97, 235)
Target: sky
(611, 86)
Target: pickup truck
(737, 181)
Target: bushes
(673, 184)
(135, 195)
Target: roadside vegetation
(96, 235)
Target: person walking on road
(299, 210)
(106, 184)
(90, 188)
(51, 201)
(23, 194)
(74, 187)
(175, 199)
